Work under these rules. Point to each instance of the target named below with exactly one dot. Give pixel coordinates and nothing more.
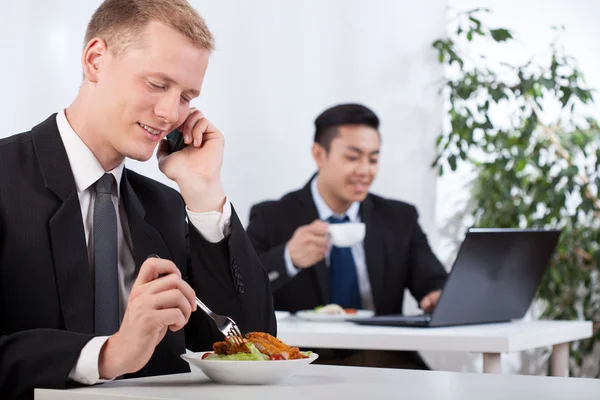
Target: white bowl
(280, 315)
(347, 234)
(247, 372)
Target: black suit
(46, 300)
(397, 253)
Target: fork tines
(236, 331)
(235, 339)
(235, 335)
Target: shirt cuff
(85, 370)
(213, 225)
(289, 265)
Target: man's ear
(93, 58)
(319, 154)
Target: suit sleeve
(426, 272)
(229, 278)
(271, 256)
(38, 358)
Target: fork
(224, 324)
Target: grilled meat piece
(265, 343)
(228, 347)
(270, 346)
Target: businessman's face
(349, 168)
(144, 93)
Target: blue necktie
(343, 280)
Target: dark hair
(327, 123)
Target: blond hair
(120, 22)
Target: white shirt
(86, 171)
(358, 250)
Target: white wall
(276, 67)
(531, 20)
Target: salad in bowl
(261, 359)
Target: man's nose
(168, 108)
(363, 167)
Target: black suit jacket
(46, 300)
(396, 249)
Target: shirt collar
(323, 209)
(84, 164)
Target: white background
(277, 66)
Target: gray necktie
(106, 280)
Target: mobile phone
(175, 140)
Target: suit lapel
(307, 214)
(374, 248)
(67, 235)
(145, 238)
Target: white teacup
(347, 234)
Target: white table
(491, 339)
(348, 383)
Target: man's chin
(141, 157)
(357, 197)
(363, 196)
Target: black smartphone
(175, 140)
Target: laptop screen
(495, 275)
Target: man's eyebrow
(360, 151)
(168, 79)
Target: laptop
(494, 278)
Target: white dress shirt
(214, 226)
(358, 250)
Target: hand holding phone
(175, 140)
(197, 169)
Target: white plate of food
(333, 312)
(261, 360)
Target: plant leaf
(500, 35)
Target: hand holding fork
(224, 324)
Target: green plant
(525, 133)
